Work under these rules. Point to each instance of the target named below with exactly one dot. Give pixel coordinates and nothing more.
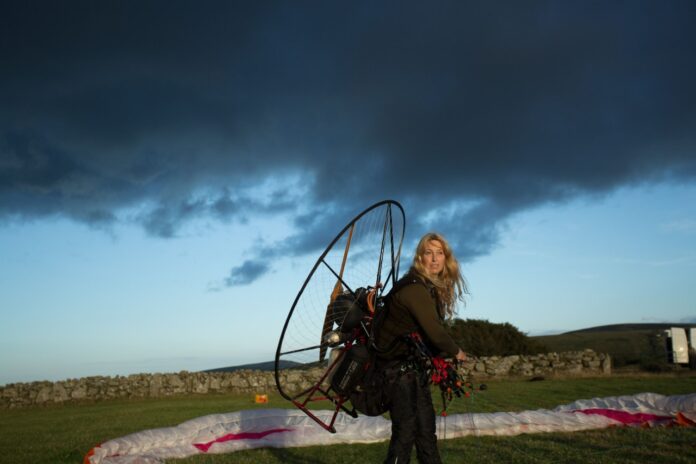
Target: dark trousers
(413, 421)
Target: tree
(483, 338)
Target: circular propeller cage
(363, 257)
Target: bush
(483, 338)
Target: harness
(438, 371)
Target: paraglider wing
(281, 428)
(363, 259)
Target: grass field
(63, 434)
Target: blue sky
(169, 171)
(82, 302)
(626, 257)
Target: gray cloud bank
(165, 112)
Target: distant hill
(625, 327)
(628, 344)
(262, 366)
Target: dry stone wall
(573, 363)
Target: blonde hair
(449, 284)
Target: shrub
(483, 338)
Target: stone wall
(573, 363)
(566, 364)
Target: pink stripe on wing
(238, 436)
(625, 417)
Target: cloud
(246, 273)
(680, 226)
(466, 113)
(686, 258)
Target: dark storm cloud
(473, 110)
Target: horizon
(272, 361)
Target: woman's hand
(461, 356)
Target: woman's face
(433, 258)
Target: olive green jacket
(413, 308)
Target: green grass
(63, 434)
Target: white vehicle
(678, 345)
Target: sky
(170, 171)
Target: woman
(419, 303)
